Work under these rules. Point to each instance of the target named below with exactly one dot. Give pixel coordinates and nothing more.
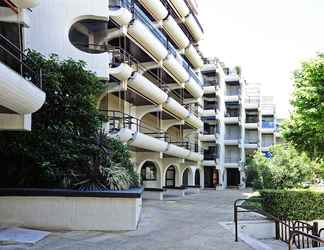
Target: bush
(287, 168)
(294, 204)
(65, 148)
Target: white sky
(267, 38)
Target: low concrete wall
(111, 211)
(153, 194)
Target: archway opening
(185, 177)
(170, 177)
(197, 177)
(150, 175)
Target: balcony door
(233, 177)
(170, 177)
(211, 177)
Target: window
(148, 172)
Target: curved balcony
(181, 7)
(175, 32)
(176, 108)
(139, 83)
(194, 121)
(193, 56)
(155, 8)
(176, 69)
(132, 131)
(143, 36)
(147, 88)
(25, 4)
(194, 88)
(194, 28)
(17, 91)
(143, 32)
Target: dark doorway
(197, 177)
(170, 177)
(185, 178)
(233, 177)
(211, 177)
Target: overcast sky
(267, 38)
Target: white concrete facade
(20, 96)
(246, 122)
(144, 100)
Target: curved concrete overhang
(194, 121)
(122, 72)
(140, 140)
(177, 151)
(181, 7)
(175, 32)
(193, 156)
(176, 69)
(147, 88)
(155, 8)
(194, 88)
(142, 35)
(176, 108)
(194, 28)
(193, 56)
(18, 94)
(122, 16)
(25, 4)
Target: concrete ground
(190, 222)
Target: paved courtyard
(190, 222)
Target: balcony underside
(18, 94)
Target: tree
(305, 128)
(287, 168)
(63, 148)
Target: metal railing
(211, 156)
(14, 58)
(251, 120)
(232, 114)
(252, 100)
(117, 120)
(303, 240)
(293, 232)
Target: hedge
(294, 204)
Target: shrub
(64, 148)
(287, 168)
(294, 204)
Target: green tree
(287, 168)
(64, 148)
(305, 128)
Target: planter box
(71, 210)
(153, 194)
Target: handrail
(316, 241)
(286, 230)
(21, 66)
(119, 120)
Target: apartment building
(241, 121)
(146, 54)
(20, 86)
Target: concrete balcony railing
(252, 102)
(232, 118)
(268, 127)
(251, 143)
(131, 130)
(232, 140)
(20, 85)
